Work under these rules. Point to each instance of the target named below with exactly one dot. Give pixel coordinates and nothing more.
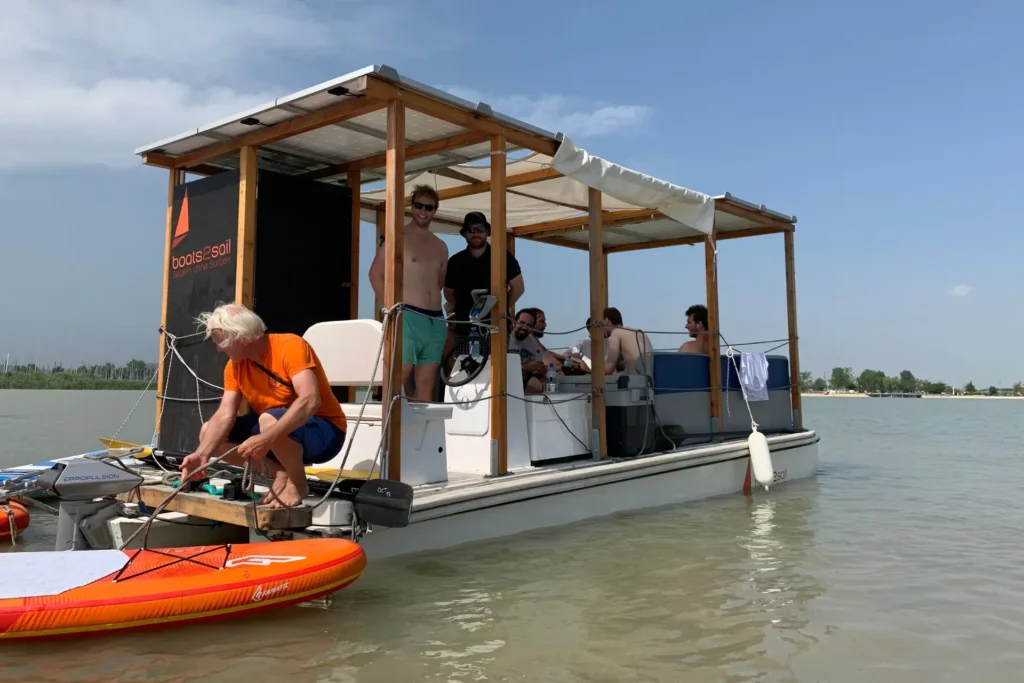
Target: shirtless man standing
(423, 322)
(624, 346)
(697, 326)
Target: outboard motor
(87, 489)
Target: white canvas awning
(547, 198)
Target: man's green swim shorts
(423, 335)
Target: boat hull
(605, 489)
(89, 592)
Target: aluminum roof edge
(382, 71)
(272, 104)
(760, 208)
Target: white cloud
(575, 117)
(961, 290)
(88, 82)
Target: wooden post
(176, 177)
(794, 341)
(381, 222)
(355, 179)
(499, 339)
(246, 263)
(604, 271)
(714, 349)
(394, 252)
(598, 302)
(512, 250)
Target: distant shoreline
(67, 382)
(862, 395)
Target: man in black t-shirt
(470, 269)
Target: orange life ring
(13, 515)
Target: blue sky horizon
(892, 134)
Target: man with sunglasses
(424, 329)
(470, 269)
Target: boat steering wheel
(459, 367)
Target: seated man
(580, 352)
(294, 418)
(625, 346)
(540, 324)
(697, 326)
(521, 341)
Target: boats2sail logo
(207, 257)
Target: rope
(160, 508)
(10, 523)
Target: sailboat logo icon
(181, 229)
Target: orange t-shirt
(287, 355)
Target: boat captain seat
(347, 350)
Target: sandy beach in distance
(808, 394)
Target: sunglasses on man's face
(423, 207)
(475, 228)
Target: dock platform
(207, 506)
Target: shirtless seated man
(294, 420)
(424, 327)
(624, 346)
(697, 326)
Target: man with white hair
(294, 419)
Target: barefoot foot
(290, 495)
(280, 481)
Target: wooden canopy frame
(282, 136)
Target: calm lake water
(901, 561)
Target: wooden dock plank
(236, 512)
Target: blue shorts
(320, 439)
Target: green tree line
(134, 374)
(877, 382)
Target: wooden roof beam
(382, 90)
(696, 239)
(559, 242)
(725, 205)
(422, 149)
(485, 185)
(608, 218)
(164, 161)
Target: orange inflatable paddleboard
(82, 592)
(14, 519)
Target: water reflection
(717, 586)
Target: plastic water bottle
(552, 385)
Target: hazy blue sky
(891, 129)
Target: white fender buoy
(760, 458)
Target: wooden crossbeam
(608, 218)
(727, 206)
(384, 91)
(485, 185)
(164, 161)
(237, 512)
(695, 239)
(422, 149)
